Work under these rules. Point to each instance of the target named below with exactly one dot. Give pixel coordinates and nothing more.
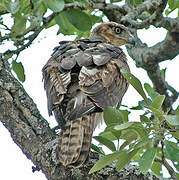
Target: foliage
(28, 15)
(155, 135)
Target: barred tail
(75, 141)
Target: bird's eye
(117, 30)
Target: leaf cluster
(154, 136)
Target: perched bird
(82, 78)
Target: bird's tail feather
(75, 141)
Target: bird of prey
(81, 79)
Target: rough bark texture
(31, 132)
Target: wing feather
(81, 79)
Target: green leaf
(112, 115)
(105, 142)
(145, 163)
(125, 115)
(158, 101)
(55, 5)
(104, 161)
(172, 151)
(129, 135)
(144, 119)
(135, 82)
(157, 168)
(19, 25)
(123, 126)
(172, 119)
(136, 126)
(136, 107)
(143, 142)
(163, 72)
(12, 6)
(108, 135)
(52, 23)
(154, 110)
(150, 91)
(79, 19)
(19, 70)
(177, 111)
(95, 19)
(175, 134)
(141, 130)
(65, 27)
(172, 4)
(124, 158)
(97, 149)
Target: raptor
(81, 79)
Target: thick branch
(154, 7)
(149, 57)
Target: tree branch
(2, 12)
(149, 57)
(168, 167)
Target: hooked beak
(132, 41)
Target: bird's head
(113, 33)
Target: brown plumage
(82, 78)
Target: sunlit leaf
(124, 158)
(123, 126)
(150, 91)
(154, 110)
(172, 119)
(158, 101)
(19, 70)
(79, 19)
(104, 161)
(145, 163)
(135, 82)
(105, 142)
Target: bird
(82, 78)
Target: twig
(2, 12)
(168, 167)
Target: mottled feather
(81, 78)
